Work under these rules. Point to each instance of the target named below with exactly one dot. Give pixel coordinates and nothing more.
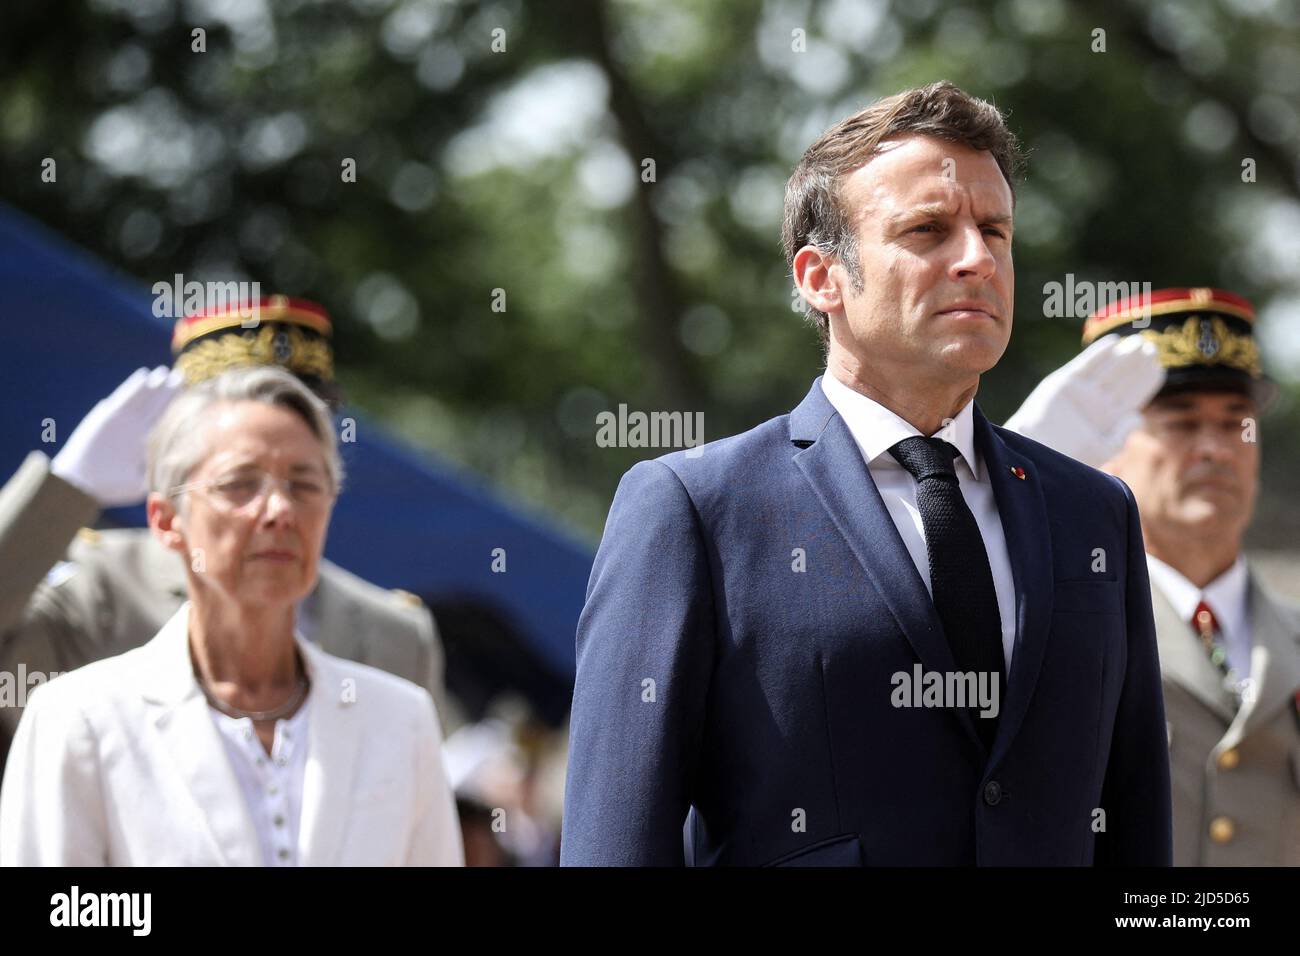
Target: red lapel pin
(1018, 472)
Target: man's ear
(165, 522)
(815, 280)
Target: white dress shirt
(271, 783)
(1227, 597)
(876, 429)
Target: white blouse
(271, 784)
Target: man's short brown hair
(814, 214)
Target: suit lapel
(333, 740)
(1023, 513)
(1183, 660)
(180, 717)
(832, 463)
(1275, 667)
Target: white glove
(105, 454)
(1087, 407)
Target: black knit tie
(960, 578)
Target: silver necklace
(275, 713)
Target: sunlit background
(521, 170)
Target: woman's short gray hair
(177, 444)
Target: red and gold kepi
(1205, 338)
(294, 334)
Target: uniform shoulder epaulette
(407, 598)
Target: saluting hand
(1087, 407)
(105, 455)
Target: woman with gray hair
(228, 739)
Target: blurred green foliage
(520, 169)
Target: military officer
(1229, 647)
(70, 596)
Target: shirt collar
(1226, 595)
(1229, 589)
(242, 732)
(876, 429)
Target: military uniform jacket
(1235, 771)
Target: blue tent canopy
(74, 329)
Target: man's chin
(972, 356)
(1213, 515)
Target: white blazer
(119, 763)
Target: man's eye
(994, 231)
(925, 227)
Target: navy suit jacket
(723, 690)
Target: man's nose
(1216, 444)
(974, 256)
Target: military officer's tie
(1207, 629)
(960, 579)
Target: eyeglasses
(248, 490)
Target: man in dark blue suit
(878, 630)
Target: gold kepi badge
(1204, 338)
(294, 334)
